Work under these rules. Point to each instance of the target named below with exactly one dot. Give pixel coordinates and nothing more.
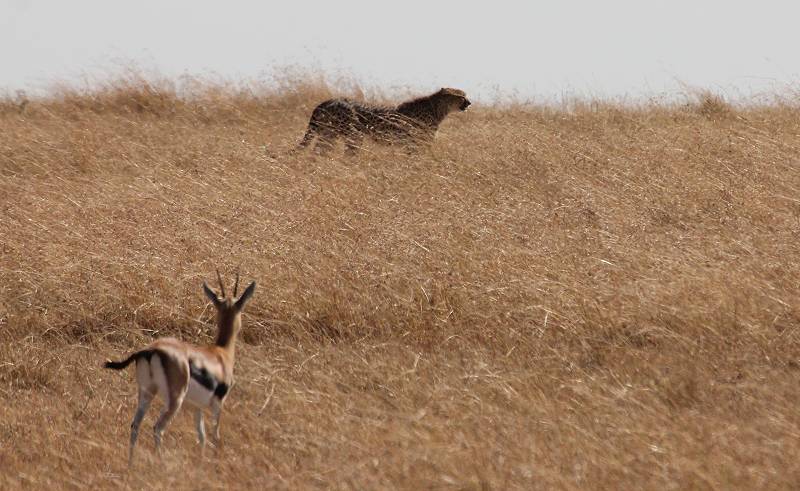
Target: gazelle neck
(228, 325)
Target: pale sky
(539, 50)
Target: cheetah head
(455, 98)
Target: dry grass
(601, 296)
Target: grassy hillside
(593, 296)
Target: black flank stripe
(202, 377)
(221, 390)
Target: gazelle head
(229, 309)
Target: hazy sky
(533, 49)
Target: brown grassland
(597, 295)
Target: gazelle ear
(248, 292)
(210, 294)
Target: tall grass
(600, 295)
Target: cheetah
(412, 123)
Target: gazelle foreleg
(216, 412)
(201, 429)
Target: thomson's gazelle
(176, 370)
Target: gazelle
(176, 370)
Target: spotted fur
(411, 123)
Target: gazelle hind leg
(172, 379)
(145, 398)
(169, 411)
